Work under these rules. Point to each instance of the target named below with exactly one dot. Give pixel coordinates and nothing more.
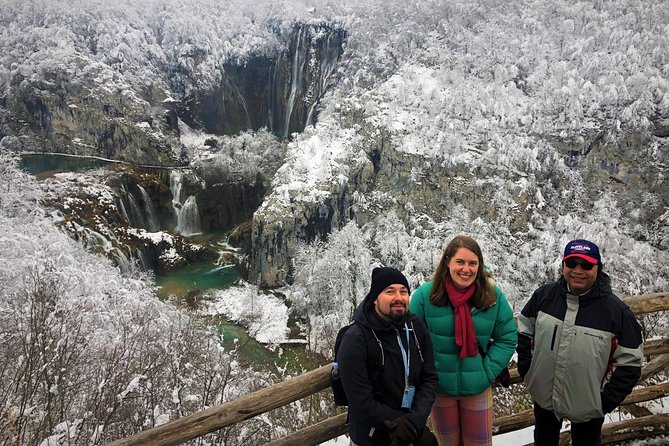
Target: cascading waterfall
(187, 213)
(299, 59)
(176, 186)
(152, 223)
(279, 92)
(93, 241)
(121, 207)
(188, 218)
(134, 212)
(137, 255)
(136, 215)
(327, 66)
(123, 263)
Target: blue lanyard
(406, 354)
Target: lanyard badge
(407, 397)
(409, 391)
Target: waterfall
(132, 210)
(139, 213)
(123, 263)
(94, 241)
(187, 213)
(152, 223)
(295, 81)
(311, 112)
(137, 218)
(326, 67)
(188, 217)
(121, 208)
(298, 76)
(176, 186)
(137, 255)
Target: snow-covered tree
(331, 279)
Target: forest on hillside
(551, 116)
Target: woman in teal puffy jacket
(473, 336)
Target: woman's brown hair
(483, 297)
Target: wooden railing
(249, 406)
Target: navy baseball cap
(583, 249)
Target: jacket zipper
(553, 339)
(459, 374)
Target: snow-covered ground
(519, 438)
(265, 316)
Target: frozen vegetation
(494, 90)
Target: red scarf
(465, 336)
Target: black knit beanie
(382, 278)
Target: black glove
(402, 431)
(426, 438)
(504, 378)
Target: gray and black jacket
(580, 356)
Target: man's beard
(396, 314)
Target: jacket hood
(365, 315)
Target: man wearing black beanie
(390, 382)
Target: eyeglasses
(571, 264)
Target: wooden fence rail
(232, 412)
(249, 406)
(501, 425)
(525, 418)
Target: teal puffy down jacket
(496, 334)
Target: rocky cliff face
(58, 115)
(224, 206)
(276, 232)
(632, 165)
(85, 116)
(279, 93)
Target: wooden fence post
(243, 408)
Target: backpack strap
(375, 357)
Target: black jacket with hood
(369, 408)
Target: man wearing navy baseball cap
(579, 349)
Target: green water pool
(198, 276)
(41, 164)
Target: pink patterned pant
(463, 420)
